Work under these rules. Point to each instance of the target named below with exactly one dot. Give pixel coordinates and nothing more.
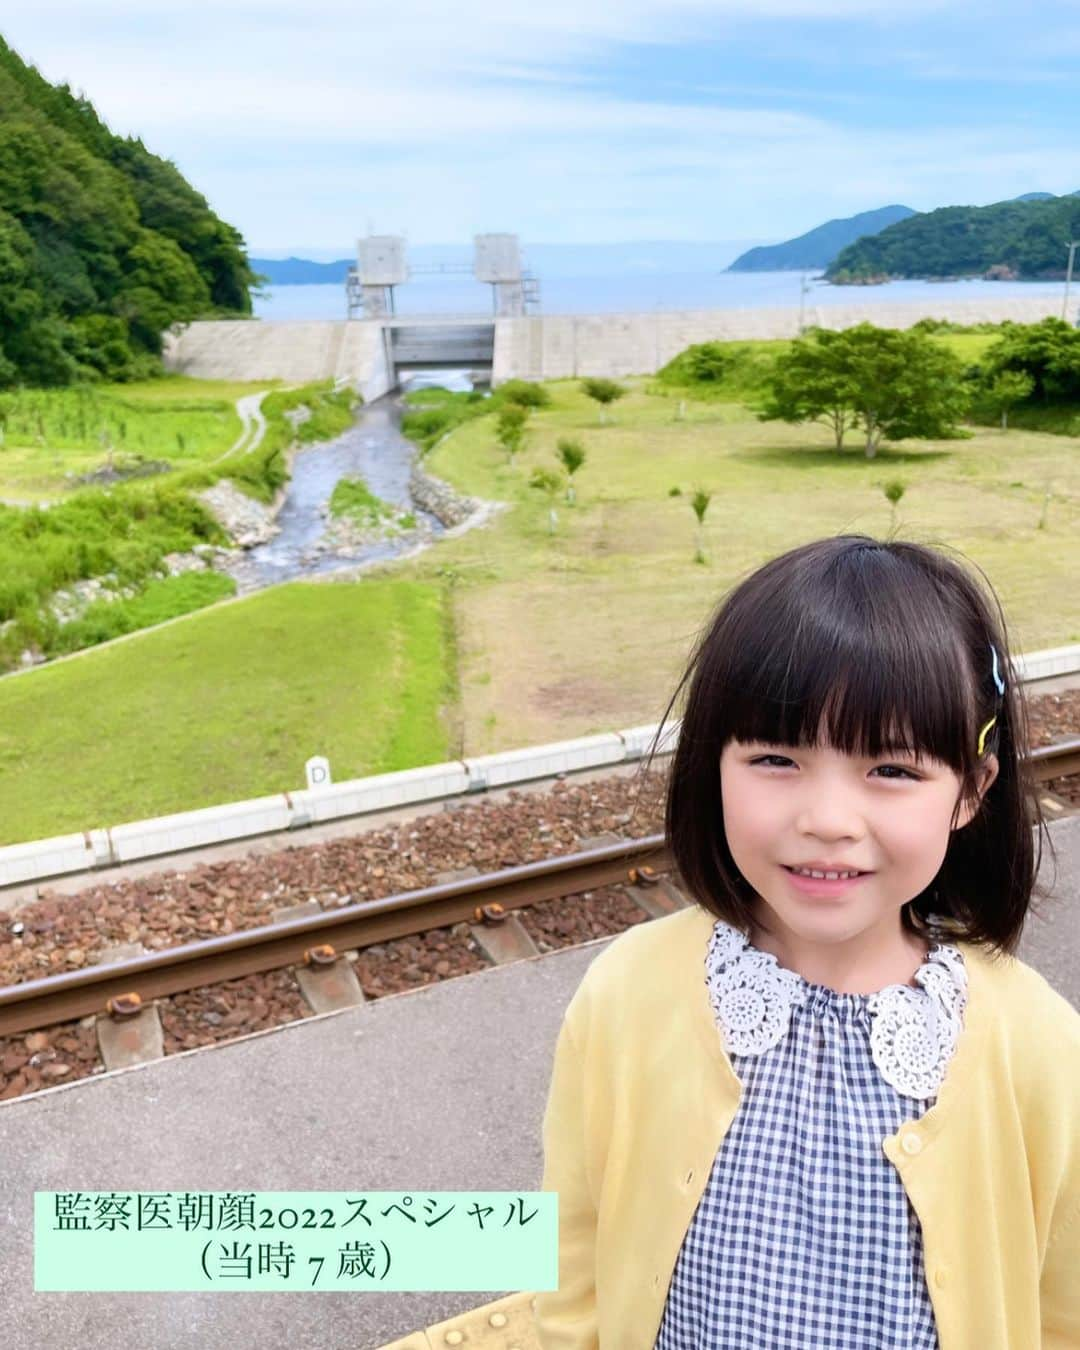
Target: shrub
(523, 392)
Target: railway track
(317, 944)
(318, 940)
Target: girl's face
(888, 816)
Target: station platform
(441, 1088)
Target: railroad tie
(656, 895)
(327, 979)
(130, 1037)
(1055, 805)
(502, 937)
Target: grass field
(51, 433)
(228, 704)
(588, 630)
(508, 635)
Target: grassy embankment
(517, 635)
(55, 531)
(225, 706)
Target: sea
(640, 292)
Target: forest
(103, 245)
(1024, 240)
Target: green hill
(1020, 239)
(102, 244)
(818, 247)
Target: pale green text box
(130, 1241)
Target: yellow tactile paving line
(506, 1324)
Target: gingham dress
(804, 1238)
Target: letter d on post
(317, 769)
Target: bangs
(861, 657)
(864, 702)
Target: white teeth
(823, 876)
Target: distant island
(818, 247)
(1025, 239)
(301, 272)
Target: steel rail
(1055, 761)
(61, 998)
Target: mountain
(1026, 238)
(561, 261)
(102, 244)
(818, 247)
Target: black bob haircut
(876, 647)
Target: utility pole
(804, 287)
(1068, 279)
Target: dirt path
(253, 423)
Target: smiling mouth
(848, 875)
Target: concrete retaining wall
(562, 346)
(248, 349)
(541, 347)
(297, 352)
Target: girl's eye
(896, 768)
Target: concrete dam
(373, 353)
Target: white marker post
(317, 769)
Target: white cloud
(304, 121)
(703, 191)
(381, 111)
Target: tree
(510, 429)
(893, 384)
(894, 491)
(572, 455)
(1008, 388)
(603, 392)
(905, 384)
(1048, 351)
(700, 504)
(547, 480)
(811, 383)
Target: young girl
(814, 1114)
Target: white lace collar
(913, 1031)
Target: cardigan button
(941, 1276)
(911, 1143)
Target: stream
(373, 449)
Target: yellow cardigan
(642, 1092)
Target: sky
(308, 124)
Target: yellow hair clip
(1000, 685)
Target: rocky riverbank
(294, 535)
